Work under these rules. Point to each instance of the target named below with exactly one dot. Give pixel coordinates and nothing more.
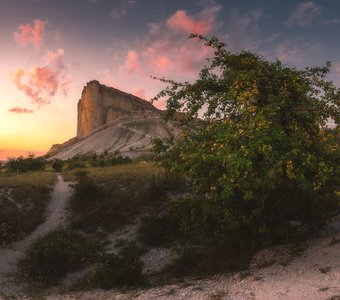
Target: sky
(50, 49)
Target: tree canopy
(263, 159)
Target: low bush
(122, 270)
(108, 159)
(86, 193)
(51, 257)
(21, 164)
(160, 230)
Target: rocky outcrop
(112, 120)
(100, 105)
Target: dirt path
(55, 216)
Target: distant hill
(112, 120)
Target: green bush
(263, 156)
(96, 206)
(86, 193)
(106, 159)
(160, 230)
(51, 257)
(21, 164)
(122, 270)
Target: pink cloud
(165, 51)
(139, 93)
(132, 62)
(181, 21)
(20, 110)
(41, 83)
(28, 34)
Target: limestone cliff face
(111, 120)
(99, 105)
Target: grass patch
(139, 171)
(51, 257)
(23, 199)
(122, 270)
(108, 198)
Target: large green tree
(263, 164)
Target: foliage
(263, 156)
(107, 159)
(101, 160)
(122, 270)
(51, 257)
(159, 231)
(86, 193)
(21, 164)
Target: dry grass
(27, 179)
(23, 198)
(139, 171)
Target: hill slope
(112, 120)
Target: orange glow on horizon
(5, 154)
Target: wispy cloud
(304, 14)
(20, 110)
(120, 10)
(293, 50)
(30, 34)
(334, 21)
(41, 83)
(244, 29)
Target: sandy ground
(55, 216)
(312, 275)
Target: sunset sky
(51, 48)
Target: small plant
(51, 257)
(122, 270)
(160, 230)
(86, 193)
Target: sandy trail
(55, 216)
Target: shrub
(160, 230)
(21, 164)
(86, 193)
(122, 270)
(108, 159)
(51, 257)
(263, 156)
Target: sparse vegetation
(23, 199)
(22, 165)
(51, 257)
(122, 270)
(95, 160)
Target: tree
(263, 160)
